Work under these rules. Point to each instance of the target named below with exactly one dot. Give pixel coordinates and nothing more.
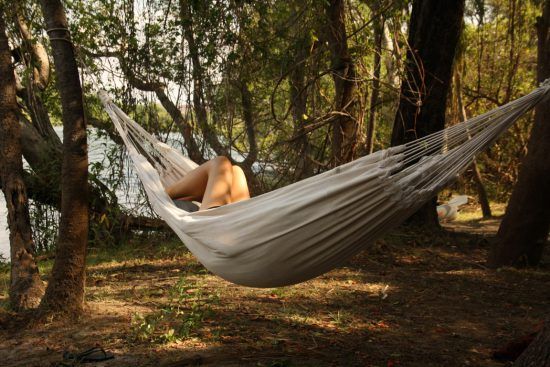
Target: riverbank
(410, 300)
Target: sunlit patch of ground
(412, 299)
(471, 220)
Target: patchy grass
(412, 299)
(471, 213)
(4, 282)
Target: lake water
(97, 146)
(129, 195)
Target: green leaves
(187, 308)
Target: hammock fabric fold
(305, 229)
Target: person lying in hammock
(214, 183)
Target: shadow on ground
(410, 300)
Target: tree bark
(537, 353)
(345, 126)
(199, 108)
(481, 192)
(248, 118)
(434, 31)
(34, 57)
(186, 129)
(371, 124)
(36, 52)
(193, 150)
(65, 291)
(523, 232)
(26, 287)
(41, 145)
(392, 56)
(298, 101)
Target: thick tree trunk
(537, 353)
(26, 287)
(523, 232)
(434, 31)
(41, 145)
(44, 183)
(65, 291)
(345, 126)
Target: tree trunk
(345, 126)
(481, 192)
(248, 117)
(193, 150)
(187, 131)
(186, 17)
(378, 36)
(524, 228)
(434, 31)
(252, 156)
(537, 353)
(26, 287)
(298, 101)
(35, 59)
(392, 55)
(43, 149)
(41, 145)
(36, 52)
(65, 291)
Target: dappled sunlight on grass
(469, 213)
(4, 278)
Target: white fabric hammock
(305, 229)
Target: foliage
(45, 226)
(261, 72)
(253, 45)
(262, 46)
(4, 264)
(499, 63)
(189, 305)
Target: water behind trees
(110, 162)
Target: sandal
(95, 354)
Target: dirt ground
(409, 300)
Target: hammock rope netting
(303, 230)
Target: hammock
(303, 230)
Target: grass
(4, 283)
(411, 299)
(470, 213)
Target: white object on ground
(449, 211)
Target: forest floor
(409, 300)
